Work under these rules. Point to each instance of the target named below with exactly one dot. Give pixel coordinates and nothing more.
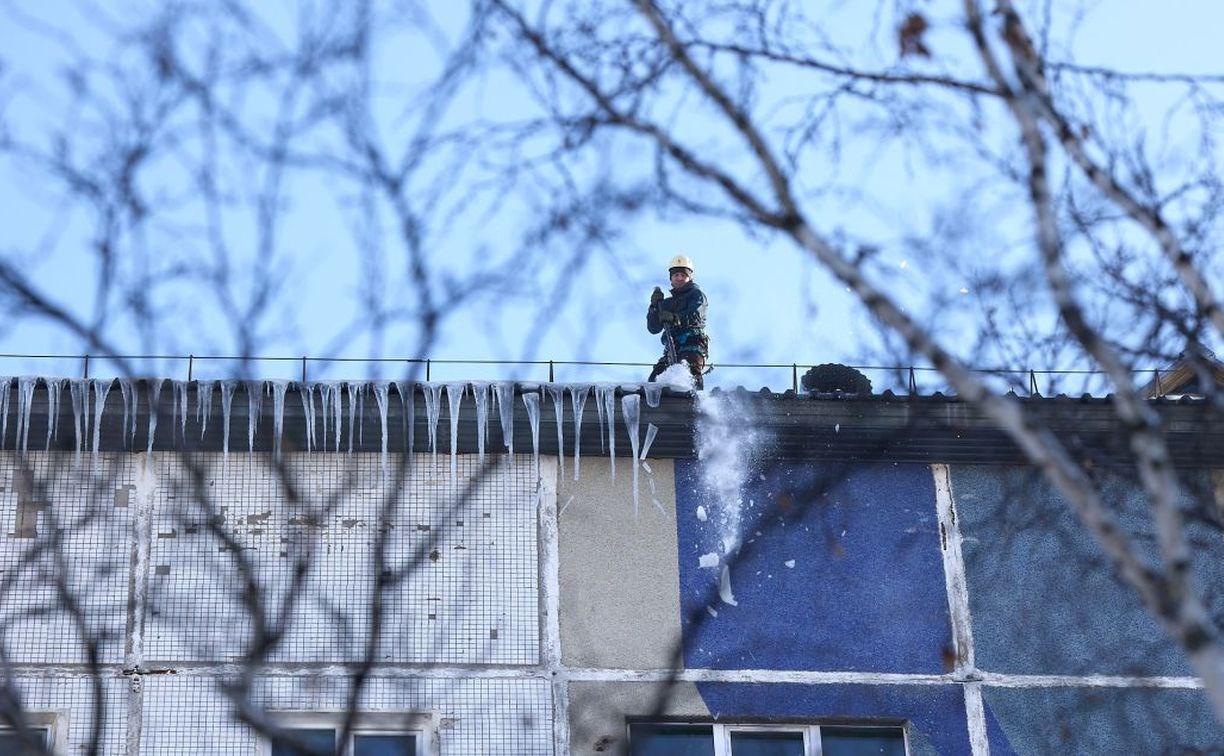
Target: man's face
(679, 277)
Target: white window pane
(672, 740)
(384, 745)
(767, 744)
(862, 741)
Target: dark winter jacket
(689, 305)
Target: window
(41, 728)
(683, 739)
(373, 734)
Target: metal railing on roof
(1025, 379)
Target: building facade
(546, 569)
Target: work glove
(656, 296)
(667, 317)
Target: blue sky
(768, 304)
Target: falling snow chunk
(713, 612)
(652, 430)
(701, 513)
(724, 586)
(790, 564)
(708, 560)
(837, 428)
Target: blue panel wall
(866, 592)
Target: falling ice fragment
(155, 389)
(631, 410)
(724, 586)
(701, 514)
(708, 560)
(790, 564)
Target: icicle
(578, 397)
(433, 408)
(337, 401)
(326, 388)
(55, 386)
(155, 389)
(180, 401)
(381, 390)
(306, 394)
(631, 409)
(601, 403)
(127, 431)
(505, 410)
(25, 402)
(653, 391)
(361, 392)
(609, 398)
(355, 389)
(227, 401)
(79, 389)
(204, 392)
(454, 397)
(532, 400)
(557, 392)
(255, 395)
(480, 393)
(652, 430)
(6, 384)
(278, 415)
(101, 388)
(407, 394)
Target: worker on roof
(681, 318)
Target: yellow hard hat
(681, 261)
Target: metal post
(795, 377)
(551, 375)
(1159, 388)
(303, 369)
(86, 375)
(427, 371)
(913, 382)
(190, 365)
(1033, 390)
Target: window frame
(423, 725)
(54, 722)
(812, 742)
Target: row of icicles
(330, 409)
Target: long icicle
(306, 394)
(279, 389)
(433, 409)
(101, 388)
(454, 398)
(631, 410)
(227, 401)
(79, 389)
(382, 389)
(531, 400)
(25, 403)
(127, 431)
(480, 394)
(204, 394)
(155, 389)
(610, 411)
(255, 395)
(407, 394)
(578, 398)
(557, 392)
(55, 387)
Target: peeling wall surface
(535, 606)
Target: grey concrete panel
(598, 711)
(620, 586)
(1100, 720)
(1043, 596)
